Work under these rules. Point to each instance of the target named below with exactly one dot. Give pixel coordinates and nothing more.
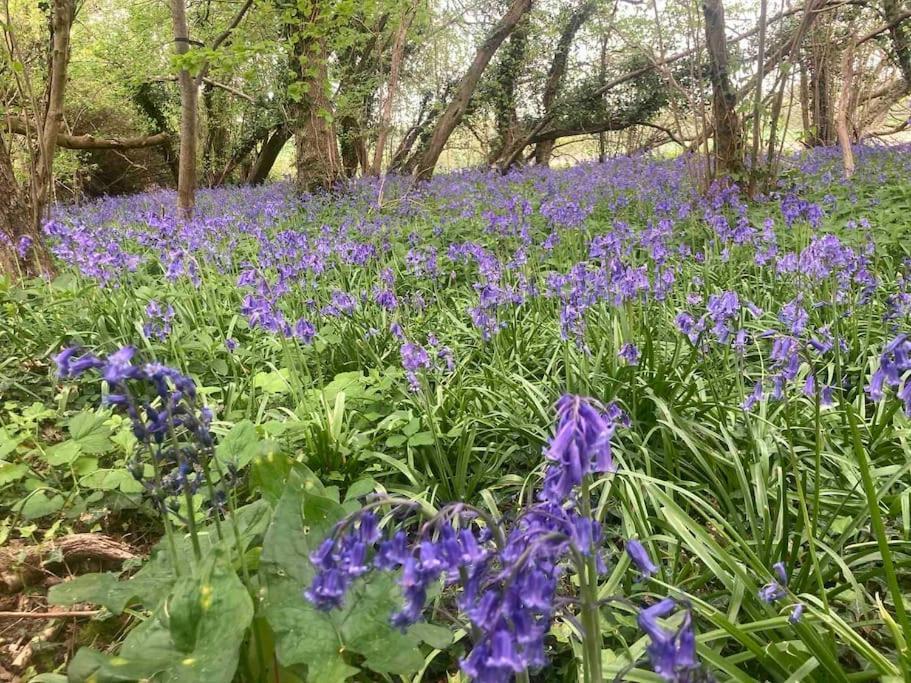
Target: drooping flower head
(671, 652)
(580, 447)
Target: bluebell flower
(630, 353)
(672, 653)
(580, 446)
(640, 558)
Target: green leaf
(197, 638)
(109, 480)
(421, 439)
(305, 635)
(396, 440)
(63, 453)
(40, 504)
(273, 382)
(10, 472)
(239, 446)
(8, 442)
(89, 431)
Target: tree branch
(90, 142)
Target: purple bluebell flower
(630, 353)
(640, 558)
(580, 446)
(672, 653)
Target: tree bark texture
(820, 55)
(62, 15)
(189, 101)
(265, 160)
(557, 72)
(845, 110)
(392, 84)
(728, 138)
(453, 113)
(317, 163)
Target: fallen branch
(31, 565)
(90, 142)
(50, 615)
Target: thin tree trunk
(728, 138)
(844, 112)
(189, 98)
(61, 23)
(757, 100)
(452, 116)
(395, 67)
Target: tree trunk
(189, 97)
(845, 107)
(557, 72)
(215, 150)
(272, 147)
(403, 160)
(61, 22)
(728, 138)
(456, 109)
(395, 66)
(352, 147)
(317, 164)
(901, 42)
(819, 88)
(505, 77)
(17, 256)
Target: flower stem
(591, 618)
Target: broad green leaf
(239, 446)
(197, 638)
(12, 472)
(110, 479)
(89, 431)
(40, 504)
(63, 453)
(275, 382)
(421, 439)
(322, 640)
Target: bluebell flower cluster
(507, 574)
(774, 591)
(580, 447)
(158, 320)
(166, 420)
(893, 372)
(671, 651)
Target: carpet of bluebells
(597, 423)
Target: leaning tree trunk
(557, 72)
(728, 137)
(271, 148)
(189, 99)
(453, 114)
(22, 250)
